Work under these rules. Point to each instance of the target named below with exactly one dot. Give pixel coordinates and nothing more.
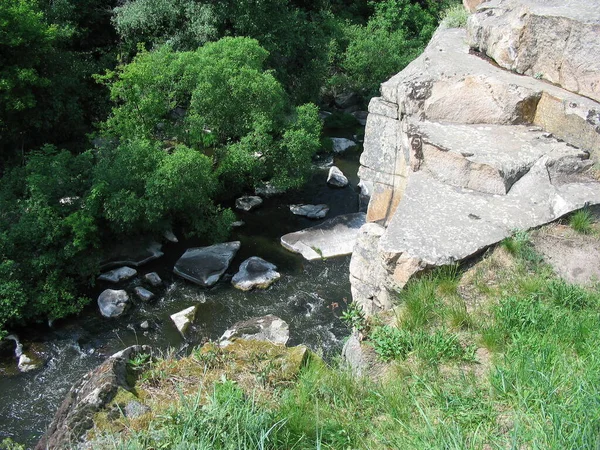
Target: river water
(309, 296)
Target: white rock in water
(112, 303)
(267, 328)
(143, 294)
(340, 145)
(26, 364)
(337, 178)
(169, 236)
(255, 272)
(117, 275)
(310, 211)
(183, 319)
(248, 202)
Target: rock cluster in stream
(460, 150)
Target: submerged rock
(361, 117)
(268, 190)
(118, 275)
(205, 265)
(334, 237)
(268, 328)
(153, 278)
(340, 145)
(337, 178)
(143, 294)
(169, 236)
(183, 319)
(255, 272)
(248, 202)
(310, 211)
(112, 303)
(135, 253)
(88, 396)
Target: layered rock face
(460, 152)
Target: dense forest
(120, 119)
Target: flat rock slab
(205, 265)
(118, 275)
(310, 211)
(183, 319)
(248, 202)
(112, 303)
(267, 328)
(334, 237)
(340, 145)
(133, 254)
(255, 272)
(574, 257)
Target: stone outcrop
(460, 152)
(334, 237)
(267, 328)
(205, 265)
(95, 390)
(254, 273)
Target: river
(309, 296)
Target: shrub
(455, 16)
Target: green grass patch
(582, 221)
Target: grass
(455, 16)
(582, 221)
(500, 355)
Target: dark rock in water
(268, 190)
(118, 275)
(169, 236)
(205, 265)
(112, 303)
(334, 237)
(183, 319)
(143, 294)
(324, 115)
(248, 202)
(94, 391)
(337, 178)
(267, 328)
(310, 211)
(346, 100)
(153, 279)
(340, 145)
(133, 253)
(361, 117)
(135, 409)
(255, 272)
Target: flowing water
(309, 296)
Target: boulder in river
(337, 178)
(340, 145)
(268, 190)
(143, 294)
(153, 278)
(334, 237)
(112, 303)
(88, 396)
(268, 328)
(248, 202)
(310, 211)
(169, 236)
(183, 319)
(118, 275)
(29, 363)
(255, 272)
(134, 253)
(205, 265)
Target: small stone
(361, 117)
(310, 211)
(255, 272)
(337, 178)
(135, 409)
(145, 325)
(340, 145)
(112, 303)
(183, 319)
(238, 224)
(169, 236)
(118, 275)
(153, 279)
(143, 294)
(248, 203)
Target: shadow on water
(309, 296)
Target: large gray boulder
(205, 265)
(118, 275)
(310, 211)
(88, 396)
(248, 202)
(267, 328)
(336, 177)
(112, 303)
(255, 272)
(334, 237)
(556, 40)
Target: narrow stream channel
(309, 296)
